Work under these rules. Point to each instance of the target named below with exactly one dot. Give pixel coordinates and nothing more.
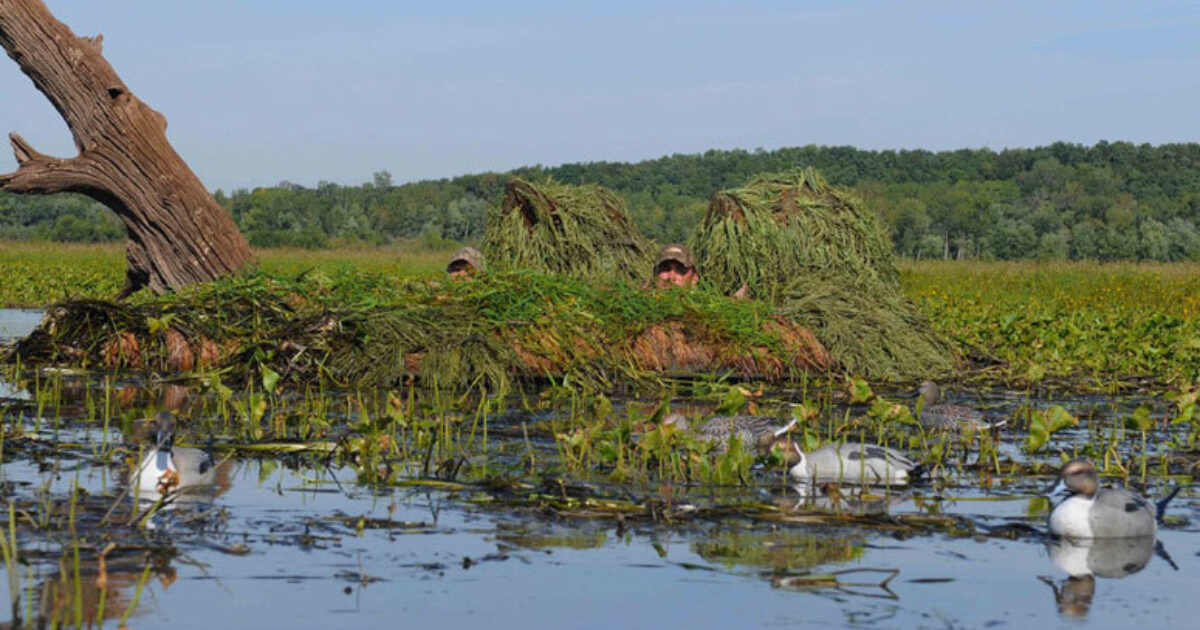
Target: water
(291, 542)
(16, 323)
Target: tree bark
(178, 234)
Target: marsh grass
(1097, 326)
(37, 274)
(1078, 325)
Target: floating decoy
(754, 433)
(167, 468)
(852, 462)
(1084, 510)
(939, 416)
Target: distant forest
(1111, 201)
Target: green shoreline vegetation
(1102, 324)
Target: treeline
(1110, 201)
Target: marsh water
(297, 540)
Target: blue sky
(262, 91)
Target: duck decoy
(754, 433)
(167, 468)
(853, 462)
(1085, 510)
(940, 416)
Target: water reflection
(835, 499)
(778, 551)
(98, 589)
(1085, 560)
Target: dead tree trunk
(178, 234)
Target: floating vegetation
(584, 231)
(1081, 324)
(366, 330)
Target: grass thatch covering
(794, 240)
(783, 225)
(870, 327)
(366, 330)
(584, 231)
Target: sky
(261, 91)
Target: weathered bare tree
(178, 234)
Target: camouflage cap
(469, 255)
(678, 253)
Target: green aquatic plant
(1044, 423)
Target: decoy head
(929, 391)
(787, 449)
(676, 421)
(1075, 598)
(164, 428)
(1077, 476)
(799, 469)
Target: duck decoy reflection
(1084, 560)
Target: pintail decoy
(166, 468)
(1084, 510)
(853, 462)
(939, 416)
(754, 433)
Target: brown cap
(678, 253)
(469, 255)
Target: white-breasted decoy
(853, 462)
(940, 416)
(166, 468)
(754, 433)
(1085, 510)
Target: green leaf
(1140, 419)
(1037, 506)
(891, 412)
(732, 404)
(804, 412)
(860, 391)
(1044, 423)
(270, 379)
(1057, 418)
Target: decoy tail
(918, 471)
(1161, 552)
(995, 424)
(785, 428)
(1161, 506)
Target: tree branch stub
(178, 234)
